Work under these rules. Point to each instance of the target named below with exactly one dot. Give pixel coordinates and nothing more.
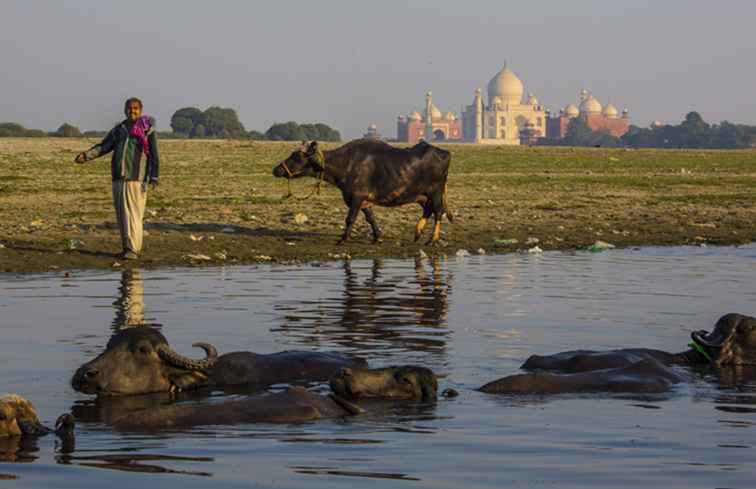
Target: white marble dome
(590, 106)
(611, 111)
(507, 85)
(571, 111)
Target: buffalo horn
(179, 360)
(703, 337)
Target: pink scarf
(139, 130)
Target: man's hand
(153, 184)
(81, 158)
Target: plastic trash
(600, 246)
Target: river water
(474, 319)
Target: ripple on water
(474, 320)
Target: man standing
(129, 141)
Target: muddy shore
(219, 204)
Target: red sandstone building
(596, 117)
(432, 125)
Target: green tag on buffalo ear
(318, 158)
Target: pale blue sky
(350, 63)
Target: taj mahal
(508, 117)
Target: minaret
(429, 116)
(478, 115)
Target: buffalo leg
(354, 208)
(423, 221)
(438, 214)
(370, 218)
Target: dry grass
(566, 197)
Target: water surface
(474, 319)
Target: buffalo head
(732, 342)
(18, 417)
(405, 382)
(308, 160)
(139, 361)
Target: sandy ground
(218, 203)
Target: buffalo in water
(634, 370)
(370, 172)
(296, 404)
(18, 417)
(139, 361)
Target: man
(129, 141)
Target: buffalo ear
(187, 380)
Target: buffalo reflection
(18, 449)
(383, 311)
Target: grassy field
(218, 203)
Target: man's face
(133, 111)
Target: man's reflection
(129, 306)
(383, 311)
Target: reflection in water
(351, 473)
(134, 462)
(129, 306)
(394, 311)
(18, 449)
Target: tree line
(217, 122)
(191, 122)
(692, 133)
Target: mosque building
(508, 117)
(596, 117)
(432, 125)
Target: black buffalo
(139, 361)
(732, 343)
(370, 172)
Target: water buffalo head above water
(731, 342)
(18, 417)
(306, 161)
(405, 382)
(139, 361)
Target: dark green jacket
(128, 162)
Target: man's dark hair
(129, 101)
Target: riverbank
(218, 203)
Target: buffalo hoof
(341, 242)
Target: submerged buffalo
(731, 343)
(294, 405)
(370, 172)
(139, 361)
(18, 417)
(402, 382)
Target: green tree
(198, 132)
(256, 135)
(578, 133)
(184, 120)
(223, 123)
(284, 131)
(67, 130)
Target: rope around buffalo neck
(700, 349)
(319, 162)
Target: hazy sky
(350, 63)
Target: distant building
(432, 125)
(506, 115)
(372, 132)
(596, 117)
